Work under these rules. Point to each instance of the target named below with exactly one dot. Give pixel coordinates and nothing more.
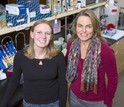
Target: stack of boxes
(16, 15)
(32, 8)
(25, 11)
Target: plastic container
(2, 17)
(112, 13)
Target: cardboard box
(44, 9)
(42, 16)
(33, 9)
(15, 20)
(15, 9)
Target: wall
(120, 3)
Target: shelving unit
(61, 15)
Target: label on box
(32, 14)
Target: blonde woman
(43, 67)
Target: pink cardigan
(108, 67)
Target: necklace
(40, 58)
(40, 63)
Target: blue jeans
(54, 104)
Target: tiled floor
(119, 96)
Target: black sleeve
(13, 82)
(62, 81)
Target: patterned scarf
(89, 80)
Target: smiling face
(84, 28)
(41, 35)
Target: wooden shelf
(24, 26)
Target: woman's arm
(112, 76)
(62, 81)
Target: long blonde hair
(95, 22)
(51, 51)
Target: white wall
(120, 3)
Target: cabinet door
(119, 53)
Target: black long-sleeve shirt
(43, 84)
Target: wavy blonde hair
(51, 51)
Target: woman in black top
(43, 67)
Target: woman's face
(84, 28)
(42, 35)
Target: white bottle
(112, 13)
(79, 4)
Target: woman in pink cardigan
(89, 59)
